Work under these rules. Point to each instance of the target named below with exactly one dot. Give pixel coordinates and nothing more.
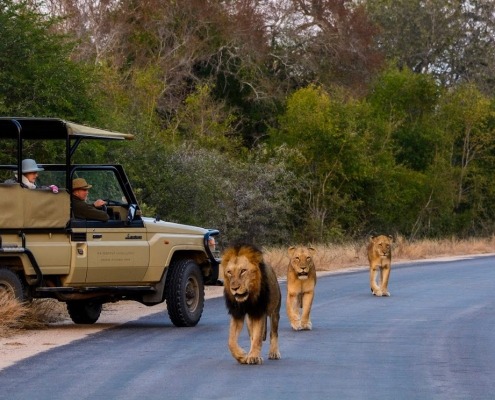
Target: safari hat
(29, 165)
(80, 183)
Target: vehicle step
(64, 289)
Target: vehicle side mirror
(131, 213)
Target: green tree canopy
(451, 40)
(37, 77)
(407, 101)
(333, 158)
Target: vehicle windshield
(105, 185)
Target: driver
(80, 208)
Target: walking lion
(380, 258)
(251, 293)
(301, 282)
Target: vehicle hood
(157, 226)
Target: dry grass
(333, 257)
(39, 313)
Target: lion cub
(301, 282)
(380, 257)
(251, 292)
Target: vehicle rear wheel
(184, 293)
(11, 284)
(84, 311)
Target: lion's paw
(386, 293)
(275, 355)
(241, 359)
(296, 326)
(307, 326)
(254, 360)
(378, 293)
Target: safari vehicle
(46, 253)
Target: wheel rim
(192, 294)
(6, 289)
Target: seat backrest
(22, 208)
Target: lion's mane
(256, 304)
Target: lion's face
(242, 273)
(382, 245)
(301, 261)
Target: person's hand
(99, 203)
(53, 188)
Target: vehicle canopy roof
(22, 129)
(52, 129)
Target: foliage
(451, 40)
(407, 101)
(273, 121)
(333, 159)
(387, 164)
(245, 200)
(204, 122)
(453, 133)
(467, 123)
(37, 77)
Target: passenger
(80, 208)
(29, 175)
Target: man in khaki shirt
(80, 208)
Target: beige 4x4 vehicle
(45, 253)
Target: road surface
(434, 338)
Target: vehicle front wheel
(84, 311)
(184, 293)
(11, 284)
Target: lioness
(380, 257)
(251, 292)
(301, 281)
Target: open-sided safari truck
(46, 253)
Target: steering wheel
(111, 202)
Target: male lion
(251, 292)
(380, 257)
(301, 282)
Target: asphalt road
(434, 338)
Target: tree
(453, 40)
(405, 192)
(439, 186)
(333, 161)
(328, 42)
(205, 122)
(246, 198)
(37, 77)
(408, 101)
(467, 120)
(253, 53)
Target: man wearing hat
(80, 208)
(30, 171)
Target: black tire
(84, 311)
(11, 284)
(184, 293)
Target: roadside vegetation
(16, 317)
(38, 314)
(336, 257)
